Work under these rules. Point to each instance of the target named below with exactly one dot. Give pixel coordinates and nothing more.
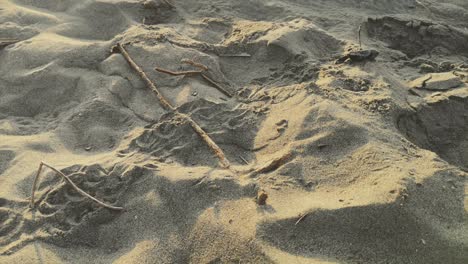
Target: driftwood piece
(69, 181)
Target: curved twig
(78, 189)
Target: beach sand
(329, 157)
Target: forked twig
(205, 137)
(78, 189)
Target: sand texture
(247, 131)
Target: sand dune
(363, 160)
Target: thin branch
(165, 104)
(195, 64)
(211, 144)
(6, 42)
(273, 164)
(301, 218)
(217, 86)
(242, 158)
(205, 137)
(68, 180)
(176, 73)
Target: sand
(361, 161)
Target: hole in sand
(440, 126)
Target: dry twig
(211, 144)
(275, 163)
(221, 89)
(85, 194)
(205, 137)
(165, 104)
(177, 73)
(301, 218)
(195, 64)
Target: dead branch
(205, 137)
(211, 144)
(177, 73)
(195, 64)
(85, 194)
(242, 158)
(165, 104)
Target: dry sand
(362, 162)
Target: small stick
(221, 89)
(211, 144)
(205, 137)
(36, 180)
(176, 73)
(359, 37)
(165, 104)
(71, 183)
(275, 163)
(242, 158)
(195, 64)
(301, 218)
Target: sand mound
(361, 162)
(440, 125)
(416, 37)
